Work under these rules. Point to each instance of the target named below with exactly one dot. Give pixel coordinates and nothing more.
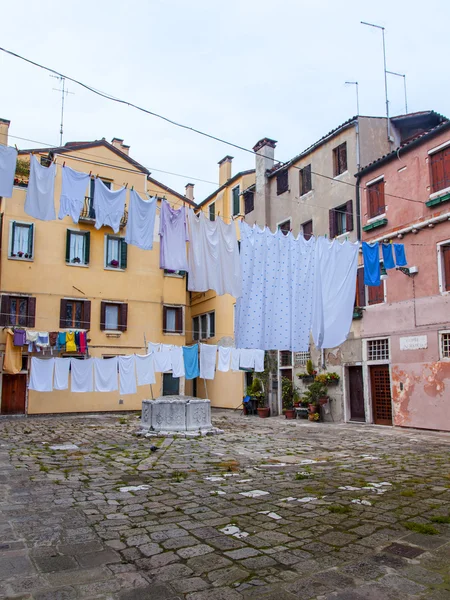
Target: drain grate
(405, 551)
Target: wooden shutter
(123, 254)
(102, 316)
(13, 235)
(30, 241)
(68, 246)
(5, 308)
(164, 319)
(282, 182)
(86, 318)
(31, 313)
(87, 247)
(333, 224)
(179, 320)
(447, 167)
(123, 317)
(360, 288)
(343, 157)
(349, 216)
(446, 267)
(62, 313)
(376, 294)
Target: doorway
(380, 384)
(171, 385)
(14, 393)
(356, 389)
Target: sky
(240, 70)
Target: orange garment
(12, 362)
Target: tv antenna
(64, 93)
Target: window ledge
(375, 219)
(375, 224)
(307, 195)
(173, 332)
(341, 236)
(77, 265)
(113, 333)
(21, 258)
(341, 174)
(438, 198)
(114, 269)
(175, 275)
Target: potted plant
(76, 260)
(310, 372)
(289, 395)
(313, 396)
(314, 416)
(114, 263)
(20, 253)
(257, 393)
(358, 312)
(328, 378)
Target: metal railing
(88, 212)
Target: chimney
(4, 127)
(189, 193)
(225, 169)
(118, 143)
(264, 161)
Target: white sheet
(61, 378)
(208, 360)
(39, 201)
(73, 191)
(235, 358)
(109, 205)
(145, 369)
(141, 221)
(41, 376)
(223, 363)
(82, 375)
(259, 361)
(8, 159)
(247, 359)
(105, 374)
(177, 360)
(162, 361)
(127, 374)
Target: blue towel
(190, 356)
(371, 256)
(400, 255)
(388, 258)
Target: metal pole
(404, 86)
(62, 112)
(355, 83)
(145, 350)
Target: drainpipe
(358, 198)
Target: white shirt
(73, 191)
(141, 221)
(39, 201)
(8, 159)
(109, 205)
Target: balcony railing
(88, 212)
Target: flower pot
(323, 400)
(289, 413)
(332, 382)
(312, 408)
(312, 419)
(307, 378)
(263, 412)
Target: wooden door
(14, 388)
(381, 394)
(356, 388)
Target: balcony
(88, 213)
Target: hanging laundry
(61, 377)
(400, 255)
(39, 201)
(106, 374)
(53, 338)
(207, 361)
(145, 369)
(43, 340)
(259, 361)
(141, 221)
(61, 342)
(223, 362)
(176, 357)
(77, 340)
(190, 357)
(152, 347)
(73, 192)
(70, 342)
(109, 205)
(162, 361)
(388, 259)
(247, 359)
(82, 375)
(127, 374)
(334, 291)
(8, 158)
(83, 342)
(274, 311)
(12, 361)
(371, 256)
(173, 237)
(214, 262)
(41, 376)
(235, 358)
(20, 337)
(32, 337)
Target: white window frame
(440, 264)
(382, 361)
(280, 366)
(236, 187)
(85, 234)
(183, 313)
(208, 335)
(105, 252)
(441, 334)
(285, 221)
(10, 249)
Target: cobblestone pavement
(342, 512)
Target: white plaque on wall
(414, 342)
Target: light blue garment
(371, 256)
(400, 255)
(61, 341)
(388, 258)
(190, 356)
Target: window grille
(378, 349)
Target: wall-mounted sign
(414, 342)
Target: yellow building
(212, 316)
(44, 287)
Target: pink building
(405, 327)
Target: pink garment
(173, 236)
(83, 342)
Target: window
(18, 310)
(249, 201)
(204, 326)
(113, 316)
(375, 295)
(21, 240)
(305, 180)
(444, 254)
(212, 211)
(282, 182)
(75, 314)
(375, 199)
(115, 252)
(177, 273)
(301, 358)
(368, 295)
(235, 200)
(360, 296)
(378, 349)
(444, 338)
(285, 358)
(77, 247)
(340, 159)
(440, 170)
(341, 219)
(285, 226)
(173, 319)
(46, 161)
(307, 229)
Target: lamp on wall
(383, 273)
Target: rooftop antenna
(64, 93)
(355, 83)
(404, 87)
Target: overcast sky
(241, 70)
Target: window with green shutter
(116, 252)
(236, 201)
(78, 247)
(21, 244)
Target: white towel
(61, 380)
(259, 360)
(235, 358)
(224, 359)
(162, 361)
(105, 371)
(141, 221)
(152, 347)
(177, 360)
(8, 158)
(82, 375)
(144, 369)
(207, 360)
(109, 205)
(247, 360)
(39, 201)
(127, 374)
(73, 192)
(41, 376)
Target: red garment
(83, 342)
